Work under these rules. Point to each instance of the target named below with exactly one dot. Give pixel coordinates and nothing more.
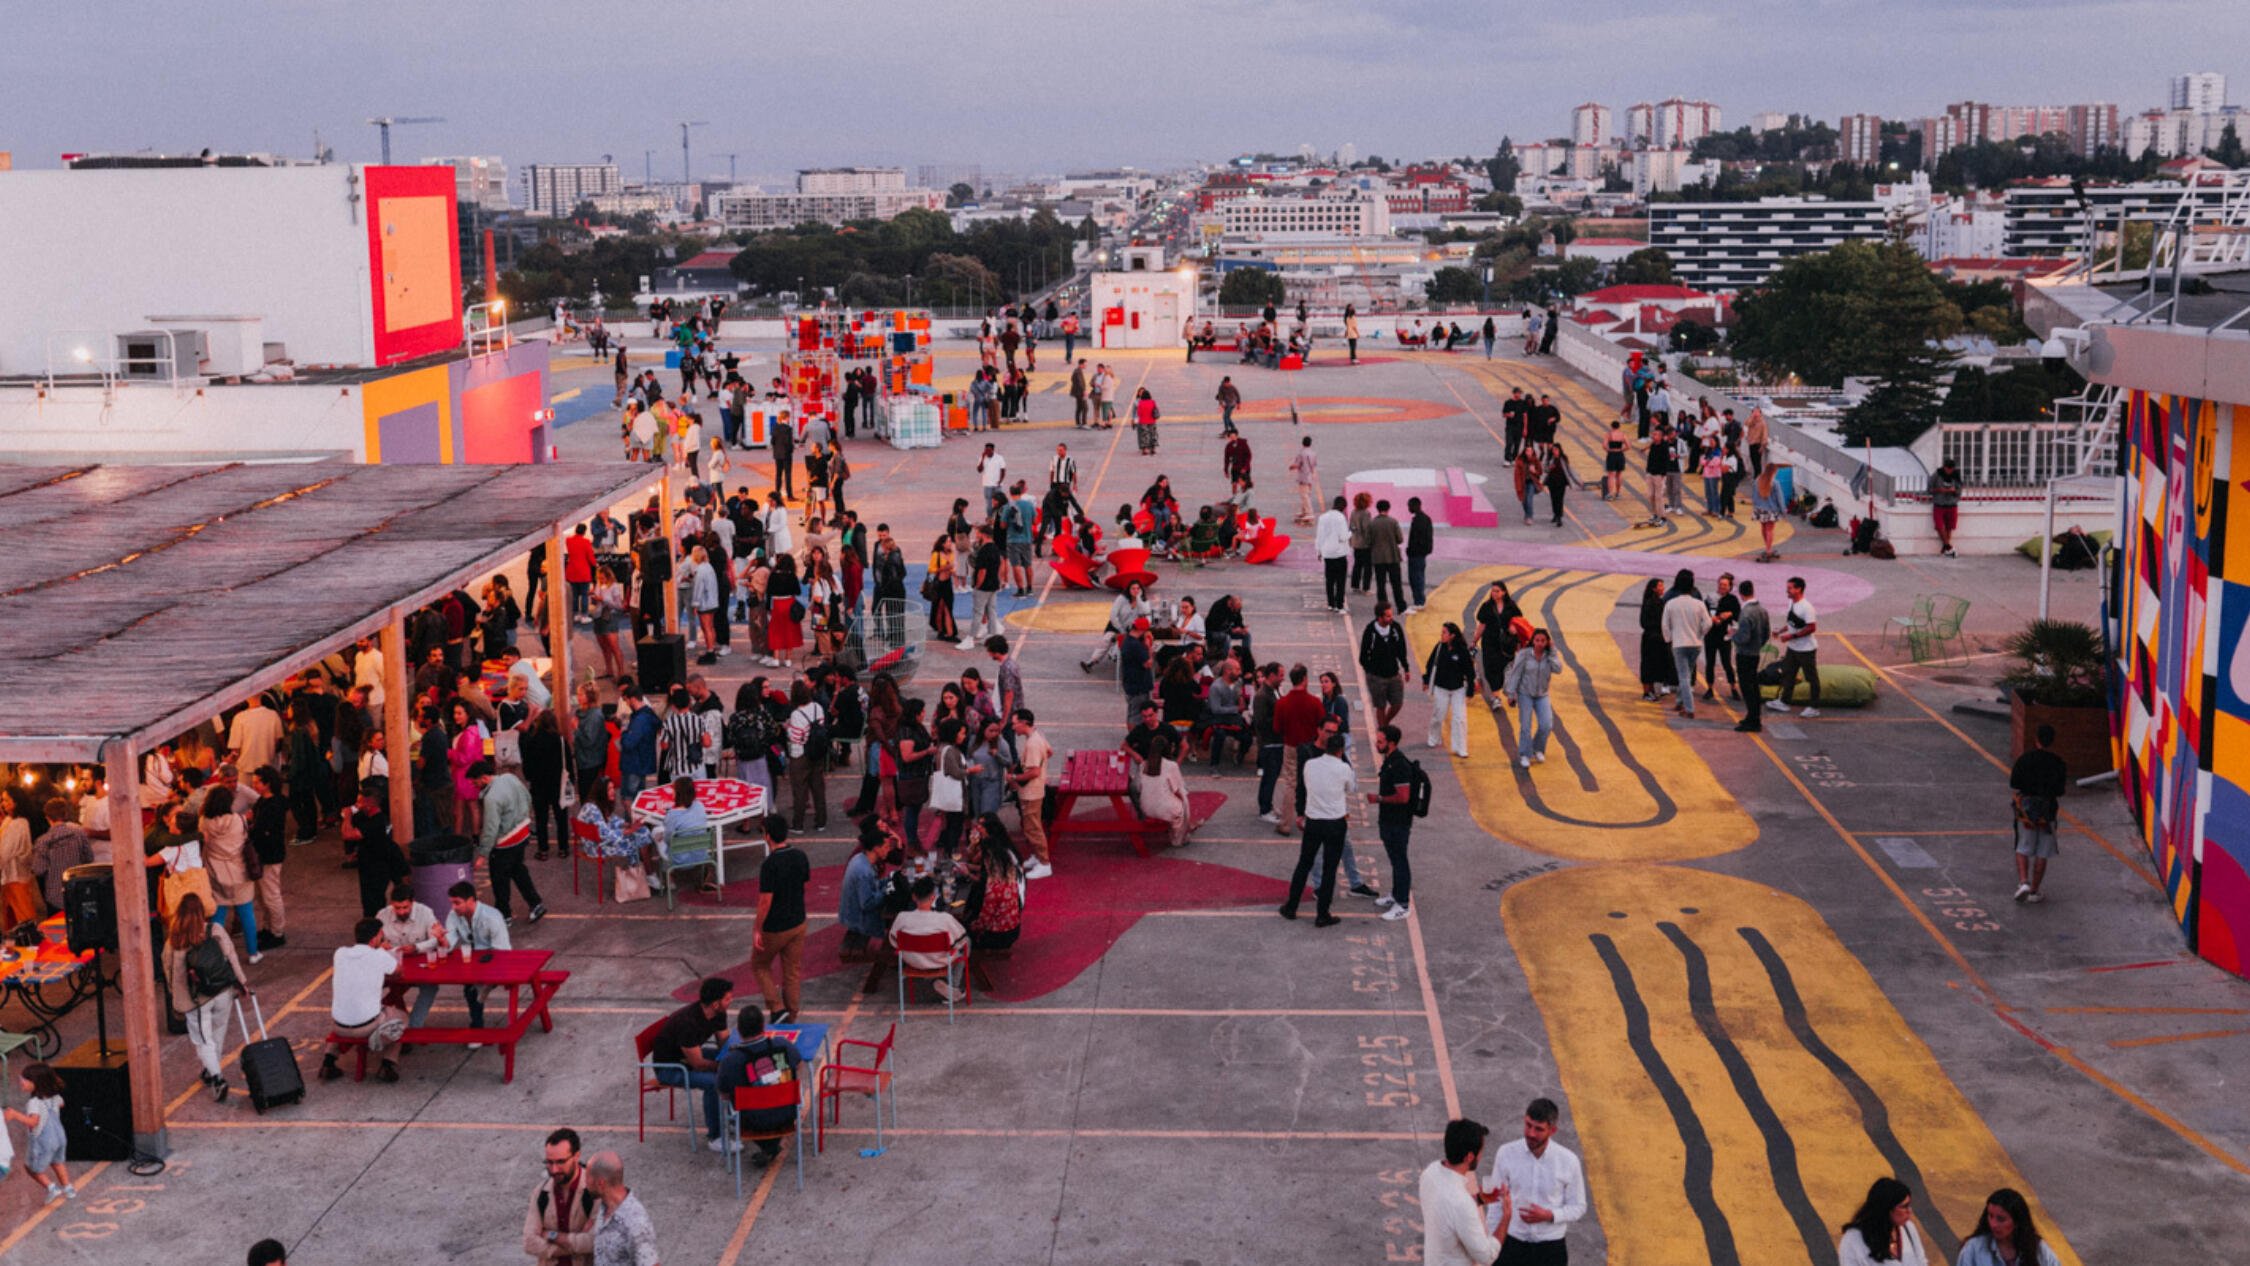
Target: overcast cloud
(1024, 87)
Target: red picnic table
(513, 970)
(1099, 773)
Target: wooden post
(136, 949)
(398, 705)
(672, 586)
(558, 630)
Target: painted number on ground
(1821, 771)
(1956, 904)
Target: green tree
(1503, 167)
(1648, 266)
(1564, 232)
(2229, 149)
(960, 192)
(1807, 316)
(1690, 335)
(1455, 285)
(1900, 316)
(1251, 288)
(1504, 203)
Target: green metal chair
(1902, 628)
(686, 851)
(1946, 615)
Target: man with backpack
(1402, 794)
(558, 1229)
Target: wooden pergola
(142, 600)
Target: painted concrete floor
(1757, 973)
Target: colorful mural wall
(477, 409)
(2183, 599)
(413, 253)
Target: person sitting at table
(1138, 739)
(859, 905)
(1181, 691)
(621, 842)
(998, 920)
(1222, 712)
(924, 919)
(678, 1049)
(411, 928)
(356, 1008)
(687, 814)
(1163, 793)
(481, 928)
(753, 1057)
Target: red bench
(1100, 773)
(544, 985)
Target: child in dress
(43, 1130)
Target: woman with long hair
(1767, 505)
(949, 782)
(1529, 473)
(1163, 792)
(1613, 460)
(2006, 1235)
(999, 917)
(785, 629)
(1124, 609)
(467, 749)
(1559, 479)
(617, 840)
(751, 731)
(884, 713)
(1656, 653)
(1337, 704)
(227, 856)
(544, 758)
(937, 587)
(1529, 685)
(1883, 1229)
(203, 984)
(611, 617)
(19, 887)
(1496, 641)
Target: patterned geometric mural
(2183, 700)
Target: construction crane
(386, 122)
(687, 175)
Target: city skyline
(549, 84)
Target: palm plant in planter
(2060, 678)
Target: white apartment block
(2048, 221)
(1589, 125)
(1640, 122)
(752, 209)
(1663, 171)
(2174, 133)
(558, 188)
(1859, 138)
(1768, 121)
(850, 180)
(2202, 92)
(1353, 215)
(1963, 228)
(1681, 123)
(1733, 245)
(481, 182)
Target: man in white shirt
(779, 540)
(1332, 540)
(1799, 650)
(923, 920)
(534, 688)
(1328, 784)
(992, 477)
(1686, 618)
(254, 736)
(1453, 1209)
(1546, 1186)
(355, 1007)
(367, 672)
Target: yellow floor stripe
(1637, 1147)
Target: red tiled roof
(1640, 294)
(709, 259)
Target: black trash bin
(439, 862)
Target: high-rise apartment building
(1640, 123)
(1681, 123)
(2091, 126)
(1940, 135)
(1589, 125)
(2202, 92)
(1859, 138)
(1972, 122)
(558, 188)
(2049, 219)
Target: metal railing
(2012, 454)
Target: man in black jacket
(890, 587)
(1383, 659)
(1512, 417)
(1421, 538)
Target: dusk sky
(1023, 87)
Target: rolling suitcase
(269, 1066)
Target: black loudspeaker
(90, 907)
(663, 663)
(97, 1105)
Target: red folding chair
(954, 973)
(789, 1094)
(646, 1069)
(586, 841)
(838, 1079)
